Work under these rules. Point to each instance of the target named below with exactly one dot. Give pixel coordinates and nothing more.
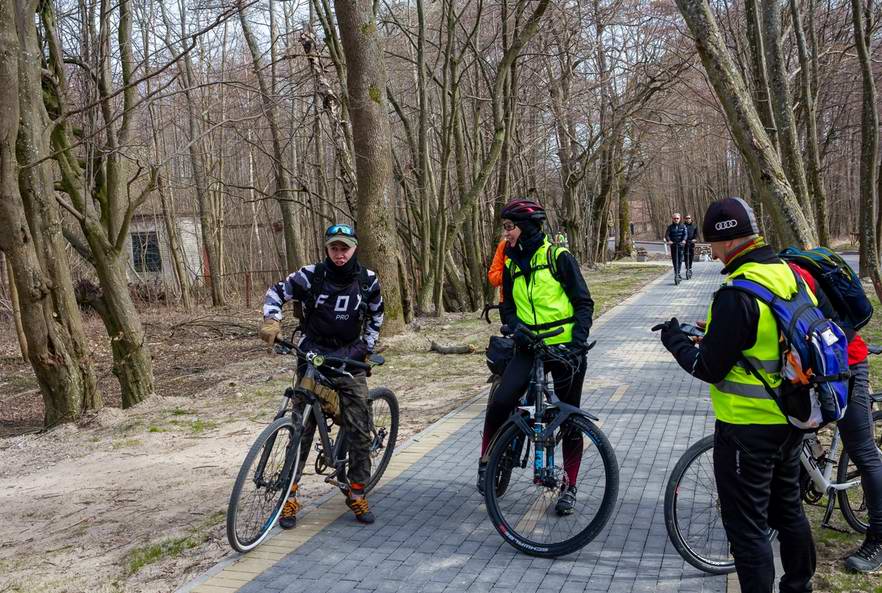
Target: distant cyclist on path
(691, 240)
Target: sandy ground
(134, 501)
(82, 503)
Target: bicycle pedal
(330, 480)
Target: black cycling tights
(567, 385)
(856, 429)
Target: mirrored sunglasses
(340, 229)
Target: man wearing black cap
(756, 451)
(343, 312)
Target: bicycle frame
(541, 435)
(330, 449)
(820, 476)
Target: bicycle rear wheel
(523, 511)
(262, 485)
(852, 502)
(384, 428)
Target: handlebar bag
(329, 398)
(500, 351)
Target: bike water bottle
(538, 427)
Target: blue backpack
(814, 359)
(840, 283)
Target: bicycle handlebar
(535, 337)
(288, 348)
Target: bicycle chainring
(321, 464)
(807, 488)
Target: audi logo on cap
(726, 224)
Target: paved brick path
(433, 534)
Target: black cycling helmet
(522, 209)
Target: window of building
(145, 252)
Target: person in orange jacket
(497, 267)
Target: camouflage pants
(356, 421)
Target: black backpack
(839, 281)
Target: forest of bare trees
(196, 150)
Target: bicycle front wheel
(262, 485)
(384, 432)
(523, 508)
(692, 511)
(852, 501)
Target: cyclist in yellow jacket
(543, 289)
(756, 451)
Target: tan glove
(269, 331)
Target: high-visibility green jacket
(541, 303)
(741, 398)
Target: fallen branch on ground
(462, 349)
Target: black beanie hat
(729, 218)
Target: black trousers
(856, 429)
(757, 473)
(568, 379)
(677, 257)
(690, 254)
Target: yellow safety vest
(542, 304)
(741, 398)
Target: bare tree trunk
(811, 117)
(486, 165)
(49, 345)
(168, 216)
(783, 106)
(182, 275)
(41, 209)
(753, 143)
(104, 214)
(16, 310)
(429, 267)
(869, 151)
(366, 83)
(284, 192)
(758, 68)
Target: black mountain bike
(526, 473)
(273, 463)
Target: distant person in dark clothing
(675, 236)
(691, 240)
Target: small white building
(149, 250)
